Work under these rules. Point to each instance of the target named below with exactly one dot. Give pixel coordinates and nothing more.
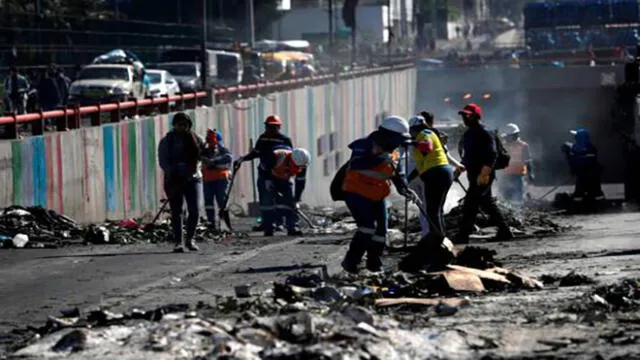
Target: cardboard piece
(453, 302)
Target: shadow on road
(279, 268)
(107, 255)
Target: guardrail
(70, 118)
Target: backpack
(337, 194)
(503, 158)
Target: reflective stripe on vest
(517, 166)
(284, 168)
(373, 183)
(435, 157)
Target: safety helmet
(511, 129)
(273, 120)
(214, 136)
(396, 124)
(417, 120)
(300, 157)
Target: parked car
(162, 83)
(187, 74)
(105, 83)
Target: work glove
(458, 171)
(484, 177)
(531, 177)
(268, 185)
(410, 194)
(239, 161)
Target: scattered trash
(623, 296)
(243, 291)
(20, 240)
(571, 279)
(74, 341)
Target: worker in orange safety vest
(373, 165)
(217, 160)
(281, 197)
(512, 182)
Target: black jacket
(479, 149)
(265, 145)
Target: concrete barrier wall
(112, 172)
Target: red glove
(424, 146)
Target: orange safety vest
(285, 168)
(214, 174)
(374, 183)
(517, 166)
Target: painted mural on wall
(112, 172)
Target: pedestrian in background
(512, 181)
(48, 91)
(179, 156)
(479, 156)
(16, 87)
(217, 161)
(63, 83)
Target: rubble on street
(306, 316)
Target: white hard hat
(300, 157)
(511, 129)
(397, 125)
(417, 121)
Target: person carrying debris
(512, 182)
(432, 166)
(179, 156)
(373, 163)
(263, 149)
(217, 160)
(479, 157)
(583, 161)
(283, 165)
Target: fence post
(75, 121)
(61, 122)
(116, 114)
(37, 127)
(95, 118)
(164, 107)
(12, 129)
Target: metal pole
(179, 11)
(253, 174)
(330, 30)
(389, 31)
(353, 46)
(252, 25)
(204, 63)
(406, 199)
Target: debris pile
(527, 222)
(36, 227)
(571, 279)
(622, 296)
(307, 315)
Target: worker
(583, 161)
(512, 181)
(373, 163)
(432, 166)
(479, 158)
(430, 119)
(271, 139)
(179, 156)
(286, 163)
(217, 160)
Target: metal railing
(70, 118)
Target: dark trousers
(588, 184)
(214, 192)
(479, 197)
(371, 218)
(437, 182)
(177, 192)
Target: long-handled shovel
(224, 211)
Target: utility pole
(179, 11)
(389, 31)
(252, 25)
(204, 64)
(331, 30)
(403, 19)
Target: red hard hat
(471, 109)
(273, 120)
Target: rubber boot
(504, 234)
(179, 247)
(374, 256)
(354, 255)
(294, 232)
(191, 245)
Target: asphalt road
(38, 283)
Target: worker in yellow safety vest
(512, 182)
